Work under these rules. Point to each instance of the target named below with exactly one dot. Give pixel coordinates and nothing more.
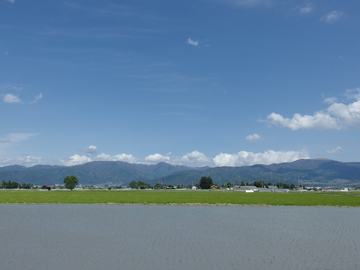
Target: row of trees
(12, 185)
(207, 183)
(261, 184)
(70, 183)
(139, 184)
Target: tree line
(139, 184)
(13, 185)
(207, 183)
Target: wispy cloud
(333, 16)
(115, 10)
(18, 137)
(192, 42)
(24, 161)
(306, 9)
(335, 151)
(36, 99)
(330, 100)
(15, 138)
(247, 3)
(10, 1)
(9, 87)
(254, 138)
(336, 116)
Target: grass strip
(180, 197)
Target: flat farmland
(180, 197)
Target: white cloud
(306, 9)
(244, 158)
(254, 138)
(192, 42)
(320, 120)
(350, 114)
(10, 98)
(195, 157)
(119, 157)
(11, 1)
(157, 158)
(125, 158)
(336, 116)
(76, 160)
(335, 151)
(24, 161)
(241, 158)
(333, 16)
(104, 157)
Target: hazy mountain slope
(89, 173)
(12, 168)
(316, 171)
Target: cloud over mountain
(268, 157)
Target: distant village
(139, 185)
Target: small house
(46, 187)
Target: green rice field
(180, 197)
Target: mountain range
(315, 172)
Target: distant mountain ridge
(317, 172)
(91, 173)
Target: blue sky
(200, 82)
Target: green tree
(205, 182)
(158, 185)
(70, 182)
(132, 184)
(140, 184)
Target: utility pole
(298, 184)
